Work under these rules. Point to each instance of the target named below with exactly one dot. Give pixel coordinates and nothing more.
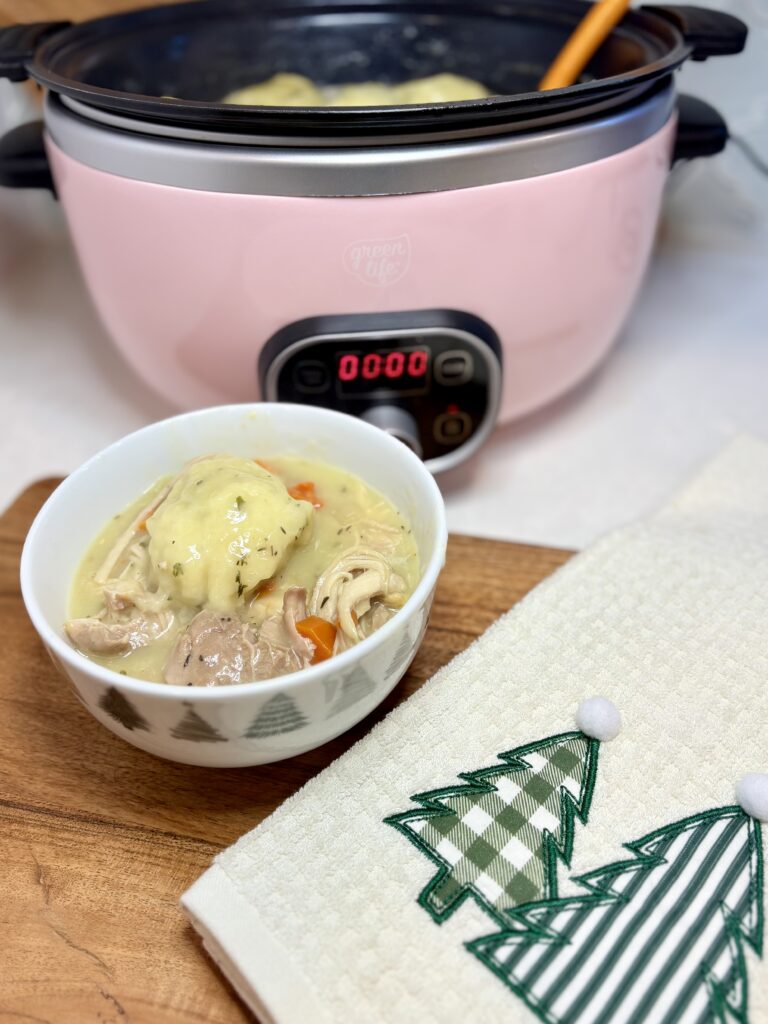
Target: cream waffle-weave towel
(315, 915)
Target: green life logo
(381, 261)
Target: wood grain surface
(99, 839)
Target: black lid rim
(413, 118)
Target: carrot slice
(319, 632)
(264, 465)
(305, 491)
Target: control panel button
(452, 427)
(428, 377)
(454, 367)
(311, 376)
(397, 422)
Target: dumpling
(281, 90)
(445, 88)
(289, 90)
(227, 525)
(362, 94)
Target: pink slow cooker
(433, 269)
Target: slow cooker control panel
(432, 378)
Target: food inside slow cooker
(290, 90)
(237, 570)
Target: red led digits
(393, 365)
(372, 366)
(417, 362)
(349, 365)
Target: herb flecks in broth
(239, 570)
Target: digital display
(431, 375)
(399, 370)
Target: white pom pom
(752, 794)
(599, 718)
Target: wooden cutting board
(99, 840)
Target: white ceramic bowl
(248, 723)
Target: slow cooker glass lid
(175, 63)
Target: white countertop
(689, 372)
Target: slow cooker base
(192, 284)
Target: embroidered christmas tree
(498, 838)
(278, 715)
(194, 728)
(120, 708)
(659, 938)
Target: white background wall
(690, 370)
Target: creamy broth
(230, 540)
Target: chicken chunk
(97, 637)
(218, 649)
(215, 650)
(94, 635)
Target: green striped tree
(498, 837)
(658, 938)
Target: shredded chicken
(346, 590)
(375, 618)
(136, 563)
(218, 649)
(275, 660)
(294, 610)
(98, 636)
(279, 640)
(125, 539)
(368, 533)
(122, 594)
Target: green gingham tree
(498, 837)
(657, 938)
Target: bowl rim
(291, 680)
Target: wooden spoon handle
(593, 29)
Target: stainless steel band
(364, 171)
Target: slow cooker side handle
(708, 33)
(701, 130)
(18, 44)
(23, 163)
